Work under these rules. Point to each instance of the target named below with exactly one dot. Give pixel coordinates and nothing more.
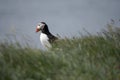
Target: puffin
(46, 38)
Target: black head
(42, 26)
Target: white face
(39, 27)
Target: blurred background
(64, 17)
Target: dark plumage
(45, 30)
(46, 37)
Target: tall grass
(92, 57)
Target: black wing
(52, 38)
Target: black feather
(45, 30)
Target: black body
(45, 30)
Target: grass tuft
(92, 57)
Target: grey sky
(64, 17)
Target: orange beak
(37, 30)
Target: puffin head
(42, 26)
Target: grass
(91, 57)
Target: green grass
(91, 57)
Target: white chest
(44, 40)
